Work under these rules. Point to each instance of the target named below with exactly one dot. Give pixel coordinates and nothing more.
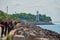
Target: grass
(8, 37)
(0, 38)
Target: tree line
(32, 18)
(6, 16)
(25, 16)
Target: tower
(37, 16)
(15, 12)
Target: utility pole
(15, 12)
(7, 9)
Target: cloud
(48, 7)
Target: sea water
(55, 27)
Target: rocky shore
(42, 23)
(24, 31)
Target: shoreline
(41, 23)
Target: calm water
(55, 28)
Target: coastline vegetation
(6, 16)
(28, 17)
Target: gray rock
(18, 37)
(32, 36)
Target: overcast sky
(49, 7)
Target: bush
(8, 37)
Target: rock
(19, 32)
(42, 38)
(29, 32)
(26, 35)
(18, 37)
(26, 29)
(17, 26)
(32, 36)
(12, 32)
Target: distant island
(28, 17)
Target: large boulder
(18, 37)
(32, 36)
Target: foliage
(8, 37)
(29, 17)
(0, 38)
(6, 16)
(32, 18)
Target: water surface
(55, 27)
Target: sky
(49, 7)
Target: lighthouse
(37, 16)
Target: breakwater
(31, 32)
(24, 31)
(41, 23)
